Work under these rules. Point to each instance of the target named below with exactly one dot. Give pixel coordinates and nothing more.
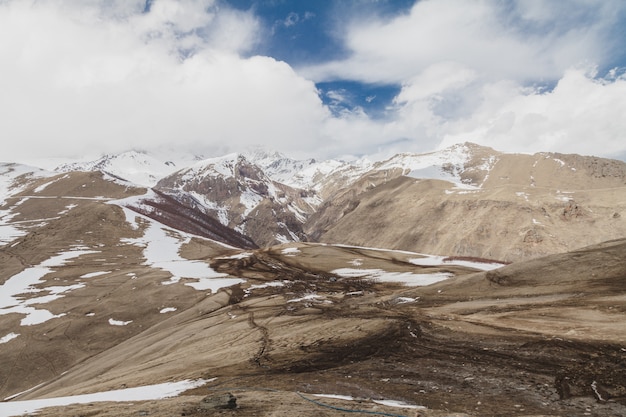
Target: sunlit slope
(526, 206)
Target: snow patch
(405, 300)
(113, 322)
(24, 282)
(95, 274)
(399, 404)
(167, 310)
(242, 255)
(145, 393)
(266, 285)
(432, 260)
(308, 297)
(161, 250)
(408, 278)
(67, 209)
(290, 251)
(250, 200)
(335, 396)
(8, 338)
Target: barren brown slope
(109, 281)
(527, 206)
(446, 346)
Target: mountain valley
(464, 282)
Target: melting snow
(95, 274)
(113, 322)
(266, 285)
(432, 260)
(250, 200)
(305, 298)
(45, 185)
(335, 396)
(68, 208)
(23, 282)
(241, 255)
(388, 403)
(145, 393)
(407, 278)
(8, 337)
(290, 251)
(161, 250)
(8, 233)
(399, 404)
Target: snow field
(24, 282)
(145, 393)
(161, 250)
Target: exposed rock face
(242, 197)
(225, 401)
(183, 212)
(101, 298)
(466, 200)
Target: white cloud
(78, 78)
(470, 72)
(87, 77)
(582, 114)
(515, 40)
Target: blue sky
(312, 78)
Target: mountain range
(462, 282)
(500, 206)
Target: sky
(322, 79)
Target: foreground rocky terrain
(544, 338)
(106, 286)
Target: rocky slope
(105, 285)
(493, 205)
(466, 200)
(243, 198)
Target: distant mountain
(484, 203)
(242, 197)
(205, 278)
(133, 166)
(467, 200)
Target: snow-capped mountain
(241, 196)
(267, 197)
(136, 167)
(465, 165)
(106, 285)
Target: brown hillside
(527, 206)
(536, 338)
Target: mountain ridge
(319, 201)
(105, 285)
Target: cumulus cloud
(92, 77)
(513, 75)
(518, 40)
(81, 78)
(582, 114)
